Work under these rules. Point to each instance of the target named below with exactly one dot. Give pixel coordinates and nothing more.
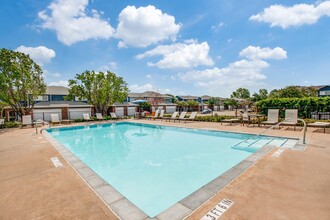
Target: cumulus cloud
(40, 54)
(144, 26)
(242, 73)
(68, 18)
(147, 87)
(297, 15)
(180, 55)
(64, 83)
(252, 52)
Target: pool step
(277, 142)
(251, 145)
(290, 143)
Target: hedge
(304, 105)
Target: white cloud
(143, 26)
(40, 54)
(148, 76)
(64, 83)
(141, 88)
(252, 52)
(297, 15)
(180, 55)
(242, 73)
(147, 87)
(69, 20)
(217, 27)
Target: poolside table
(258, 116)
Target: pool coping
(126, 210)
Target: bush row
(305, 106)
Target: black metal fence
(320, 115)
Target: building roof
(57, 90)
(148, 94)
(187, 96)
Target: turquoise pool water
(156, 166)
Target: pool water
(157, 166)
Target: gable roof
(148, 94)
(57, 90)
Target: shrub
(304, 105)
(12, 124)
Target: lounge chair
(26, 120)
(2, 122)
(99, 116)
(319, 124)
(245, 119)
(192, 117)
(230, 121)
(153, 117)
(86, 117)
(161, 115)
(114, 116)
(54, 119)
(172, 117)
(181, 117)
(291, 118)
(272, 117)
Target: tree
(192, 103)
(181, 104)
(212, 102)
(293, 92)
(21, 81)
(100, 89)
(241, 93)
(263, 94)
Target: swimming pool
(153, 166)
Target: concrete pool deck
(293, 186)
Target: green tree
(263, 94)
(241, 93)
(100, 89)
(212, 102)
(293, 92)
(21, 81)
(181, 104)
(192, 103)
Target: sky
(191, 47)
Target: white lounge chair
(291, 118)
(54, 119)
(99, 116)
(230, 121)
(192, 117)
(26, 120)
(181, 117)
(272, 117)
(86, 117)
(155, 116)
(319, 124)
(113, 115)
(161, 115)
(174, 115)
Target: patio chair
(174, 115)
(54, 119)
(153, 117)
(272, 117)
(161, 115)
(99, 116)
(192, 117)
(245, 119)
(230, 121)
(291, 118)
(26, 120)
(319, 124)
(114, 116)
(86, 117)
(181, 117)
(2, 122)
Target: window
(42, 98)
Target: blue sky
(196, 48)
